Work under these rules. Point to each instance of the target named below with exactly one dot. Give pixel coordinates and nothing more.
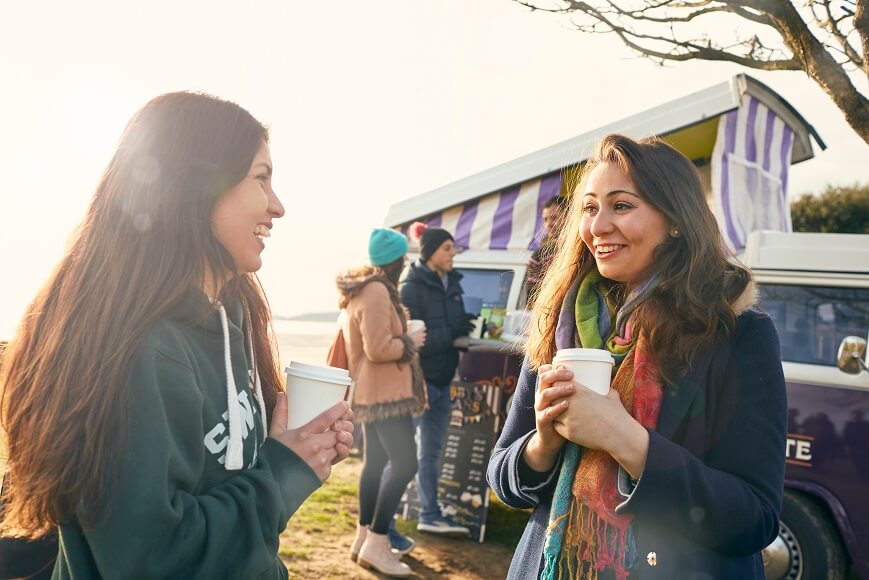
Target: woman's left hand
(593, 420)
(344, 428)
(601, 422)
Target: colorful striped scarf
(585, 534)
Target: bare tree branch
(684, 50)
(535, 8)
(861, 24)
(832, 24)
(820, 45)
(642, 14)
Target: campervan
(743, 137)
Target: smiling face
(619, 226)
(242, 217)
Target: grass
(334, 504)
(504, 525)
(294, 553)
(319, 534)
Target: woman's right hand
(319, 442)
(553, 386)
(418, 338)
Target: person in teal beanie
(385, 246)
(388, 392)
(144, 409)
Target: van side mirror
(852, 355)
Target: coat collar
(420, 273)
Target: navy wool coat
(709, 499)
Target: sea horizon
(304, 340)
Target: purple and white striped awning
(510, 219)
(750, 165)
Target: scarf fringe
(591, 544)
(585, 534)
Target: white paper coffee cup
(415, 325)
(591, 367)
(477, 332)
(311, 389)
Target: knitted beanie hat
(431, 240)
(385, 246)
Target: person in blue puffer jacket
(431, 292)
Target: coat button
(652, 558)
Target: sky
(368, 103)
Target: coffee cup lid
(319, 372)
(589, 354)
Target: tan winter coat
(383, 361)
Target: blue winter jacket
(441, 308)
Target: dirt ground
(317, 541)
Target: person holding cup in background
(142, 400)
(677, 471)
(431, 291)
(388, 391)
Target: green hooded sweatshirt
(178, 510)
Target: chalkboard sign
(462, 490)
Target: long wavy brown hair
(691, 308)
(145, 244)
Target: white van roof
(816, 252)
(695, 115)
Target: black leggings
(388, 440)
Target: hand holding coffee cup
(591, 367)
(554, 387)
(594, 414)
(322, 442)
(311, 389)
(416, 332)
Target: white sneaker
(442, 525)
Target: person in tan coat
(388, 391)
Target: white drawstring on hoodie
(235, 447)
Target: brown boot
(361, 534)
(375, 553)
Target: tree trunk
(861, 24)
(822, 68)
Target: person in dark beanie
(431, 292)
(553, 212)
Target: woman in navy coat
(678, 471)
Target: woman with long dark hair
(388, 391)
(142, 399)
(678, 471)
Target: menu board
(462, 490)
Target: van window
(812, 320)
(492, 286)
